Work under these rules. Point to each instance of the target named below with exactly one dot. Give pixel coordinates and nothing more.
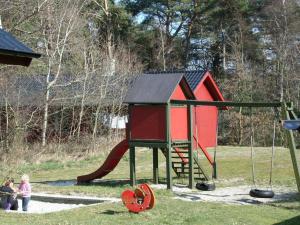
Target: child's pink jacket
(25, 189)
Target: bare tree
(282, 27)
(58, 27)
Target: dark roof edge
(175, 71)
(189, 89)
(20, 54)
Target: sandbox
(47, 203)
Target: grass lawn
(234, 169)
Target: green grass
(234, 168)
(167, 211)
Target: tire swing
(263, 193)
(204, 186)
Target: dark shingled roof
(193, 77)
(153, 88)
(13, 51)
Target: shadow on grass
(249, 201)
(287, 201)
(189, 196)
(112, 212)
(192, 197)
(292, 221)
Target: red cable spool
(141, 199)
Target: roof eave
(15, 60)
(19, 53)
(188, 88)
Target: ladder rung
(182, 145)
(185, 167)
(200, 178)
(179, 164)
(181, 142)
(180, 151)
(198, 173)
(178, 157)
(188, 173)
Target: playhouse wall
(178, 94)
(179, 117)
(206, 118)
(148, 122)
(179, 125)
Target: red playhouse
(180, 131)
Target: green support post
(191, 155)
(292, 147)
(155, 165)
(132, 166)
(169, 168)
(168, 152)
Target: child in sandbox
(25, 191)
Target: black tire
(257, 193)
(205, 186)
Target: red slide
(110, 163)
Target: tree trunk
(45, 118)
(60, 125)
(7, 125)
(241, 130)
(163, 48)
(83, 95)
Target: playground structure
(164, 113)
(167, 113)
(150, 126)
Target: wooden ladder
(180, 162)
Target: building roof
(153, 88)
(29, 90)
(196, 77)
(193, 77)
(13, 51)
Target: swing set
(255, 191)
(287, 114)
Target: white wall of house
(118, 122)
